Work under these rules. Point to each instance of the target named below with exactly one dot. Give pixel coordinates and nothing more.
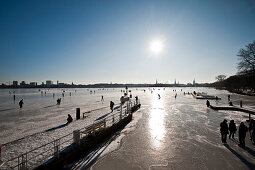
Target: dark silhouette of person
(102, 99)
(111, 105)
(14, 97)
(158, 96)
(175, 96)
(241, 103)
(228, 97)
(122, 100)
(242, 134)
(21, 103)
(217, 98)
(69, 118)
(231, 104)
(253, 134)
(232, 129)
(136, 99)
(208, 103)
(224, 131)
(251, 125)
(58, 101)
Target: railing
(37, 156)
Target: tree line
(244, 80)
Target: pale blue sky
(108, 41)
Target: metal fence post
(22, 164)
(56, 147)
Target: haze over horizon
(88, 42)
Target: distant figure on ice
(241, 103)
(242, 134)
(175, 96)
(102, 98)
(217, 98)
(228, 97)
(69, 118)
(14, 97)
(232, 129)
(158, 96)
(21, 103)
(58, 101)
(224, 131)
(111, 105)
(136, 99)
(208, 103)
(230, 103)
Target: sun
(156, 46)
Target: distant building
(61, 84)
(49, 83)
(23, 83)
(42, 83)
(33, 83)
(15, 83)
(194, 82)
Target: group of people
(231, 129)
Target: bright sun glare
(156, 46)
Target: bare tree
(246, 59)
(220, 79)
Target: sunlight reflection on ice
(156, 122)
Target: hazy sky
(93, 41)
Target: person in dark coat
(111, 105)
(69, 118)
(208, 103)
(232, 129)
(21, 103)
(251, 125)
(59, 101)
(242, 134)
(224, 131)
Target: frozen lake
(165, 132)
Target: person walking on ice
(111, 105)
(21, 103)
(224, 131)
(232, 129)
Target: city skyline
(88, 42)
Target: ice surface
(160, 130)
